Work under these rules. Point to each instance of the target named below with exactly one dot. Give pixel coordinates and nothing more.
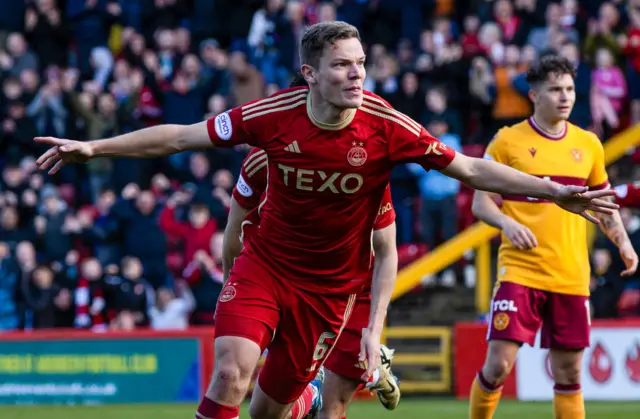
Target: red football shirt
(252, 183)
(325, 183)
(628, 195)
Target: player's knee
(229, 383)
(496, 370)
(235, 361)
(567, 372)
(500, 359)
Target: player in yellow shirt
(543, 262)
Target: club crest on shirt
(533, 151)
(227, 294)
(576, 154)
(357, 156)
(501, 321)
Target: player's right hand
(520, 236)
(62, 152)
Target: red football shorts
(304, 325)
(518, 312)
(344, 358)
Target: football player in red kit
(344, 371)
(331, 148)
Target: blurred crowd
(120, 244)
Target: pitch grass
(408, 409)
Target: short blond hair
(319, 35)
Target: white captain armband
(243, 187)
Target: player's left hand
(629, 257)
(579, 200)
(369, 352)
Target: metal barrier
(441, 358)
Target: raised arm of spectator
(168, 222)
(38, 103)
(186, 297)
(519, 83)
(57, 106)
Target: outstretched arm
(490, 176)
(160, 140)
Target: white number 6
(322, 349)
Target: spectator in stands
(581, 115)
(48, 109)
(55, 226)
(437, 109)
(204, 276)
(128, 292)
(136, 220)
(21, 58)
(247, 83)
(608, 89)
(408, 99)
(10, 230)
(514, 30)
(18, 131)
(124, 321)
(90, 20)
(438, 192)
(481, 82)
(11, 88)
(172, 312)
(603, 33)
(44, 301)
(26, 258)
(47, 33)
(541, 38)
(196, 233)
(222, 187)
(89, 297)
(469, 40)
(510, 107)
(98, 228)
(30, 80)
(215, 62)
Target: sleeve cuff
(604, 185)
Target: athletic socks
(568, 402)
(209, 409)
(484, 398)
